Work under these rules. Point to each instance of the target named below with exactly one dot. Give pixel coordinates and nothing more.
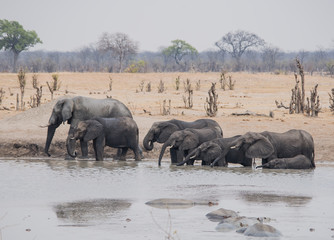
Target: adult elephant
(119, 132)
(188, 139)
(271, 145)
(211, 150)
(73, 110)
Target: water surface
(58, 199)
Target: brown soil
(21, 134)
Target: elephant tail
(312, 159)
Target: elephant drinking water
(81, 108)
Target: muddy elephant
(161, 131)
(188, 139)
(297, 162)
(81, 108)
(271, 145)
(211, 150)
(119, 132)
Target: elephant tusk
(233, 147)
(72, 138)
(44, 126)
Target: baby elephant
(297, 162)
(119, 132)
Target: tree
(120, 45)
(269, 57)
(14, 38)
(178, 50)
(236, 43)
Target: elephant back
(88, 108)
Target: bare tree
(120, 45)
(269, 57)
(236, 43)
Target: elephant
(161, 131)
(271, 145)
(119, 132)
(297, 162)
(211, 150)
(81, 108)
(188, 139)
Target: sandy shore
(21, 134)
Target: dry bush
(35, 100)
(331, 101)
(188, 98)
(161, 87)
(211, 106)
(22, 82)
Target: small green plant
(137, 67)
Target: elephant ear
(190, 141)
(166, 130)
(67, 109)
(94, 130)
(260, 148)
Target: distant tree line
(235, 51)
(90, 59)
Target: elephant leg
(98, 145)
(84, 149)
(176, 155)
(137, 153)
(124, 151)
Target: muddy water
(57, 199)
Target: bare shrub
(166, 110)
(148, 87)
(2, 95)
(331, 101)
(188, 98)
(211, 106)
(35, 100)
(22, 82)
(161, 87)
(198, 85)
(110, 83)
(55, 86)
(177, 83)
(313, 103)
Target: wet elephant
(119, 132)
(271, 145)
(161, 131)
(297, 162)
(211, 150)
(188, 139)
(73, 110)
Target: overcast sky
(67, 25)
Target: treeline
(91, 59)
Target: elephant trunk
(70, 145)
(163, 148)
(193, 154)
(148, 141)
(51, 131)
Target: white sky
(67, 25)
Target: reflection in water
(90, 211)
(258, 197)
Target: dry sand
(21, 134)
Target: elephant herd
(108, 122)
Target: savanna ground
(21, 134)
